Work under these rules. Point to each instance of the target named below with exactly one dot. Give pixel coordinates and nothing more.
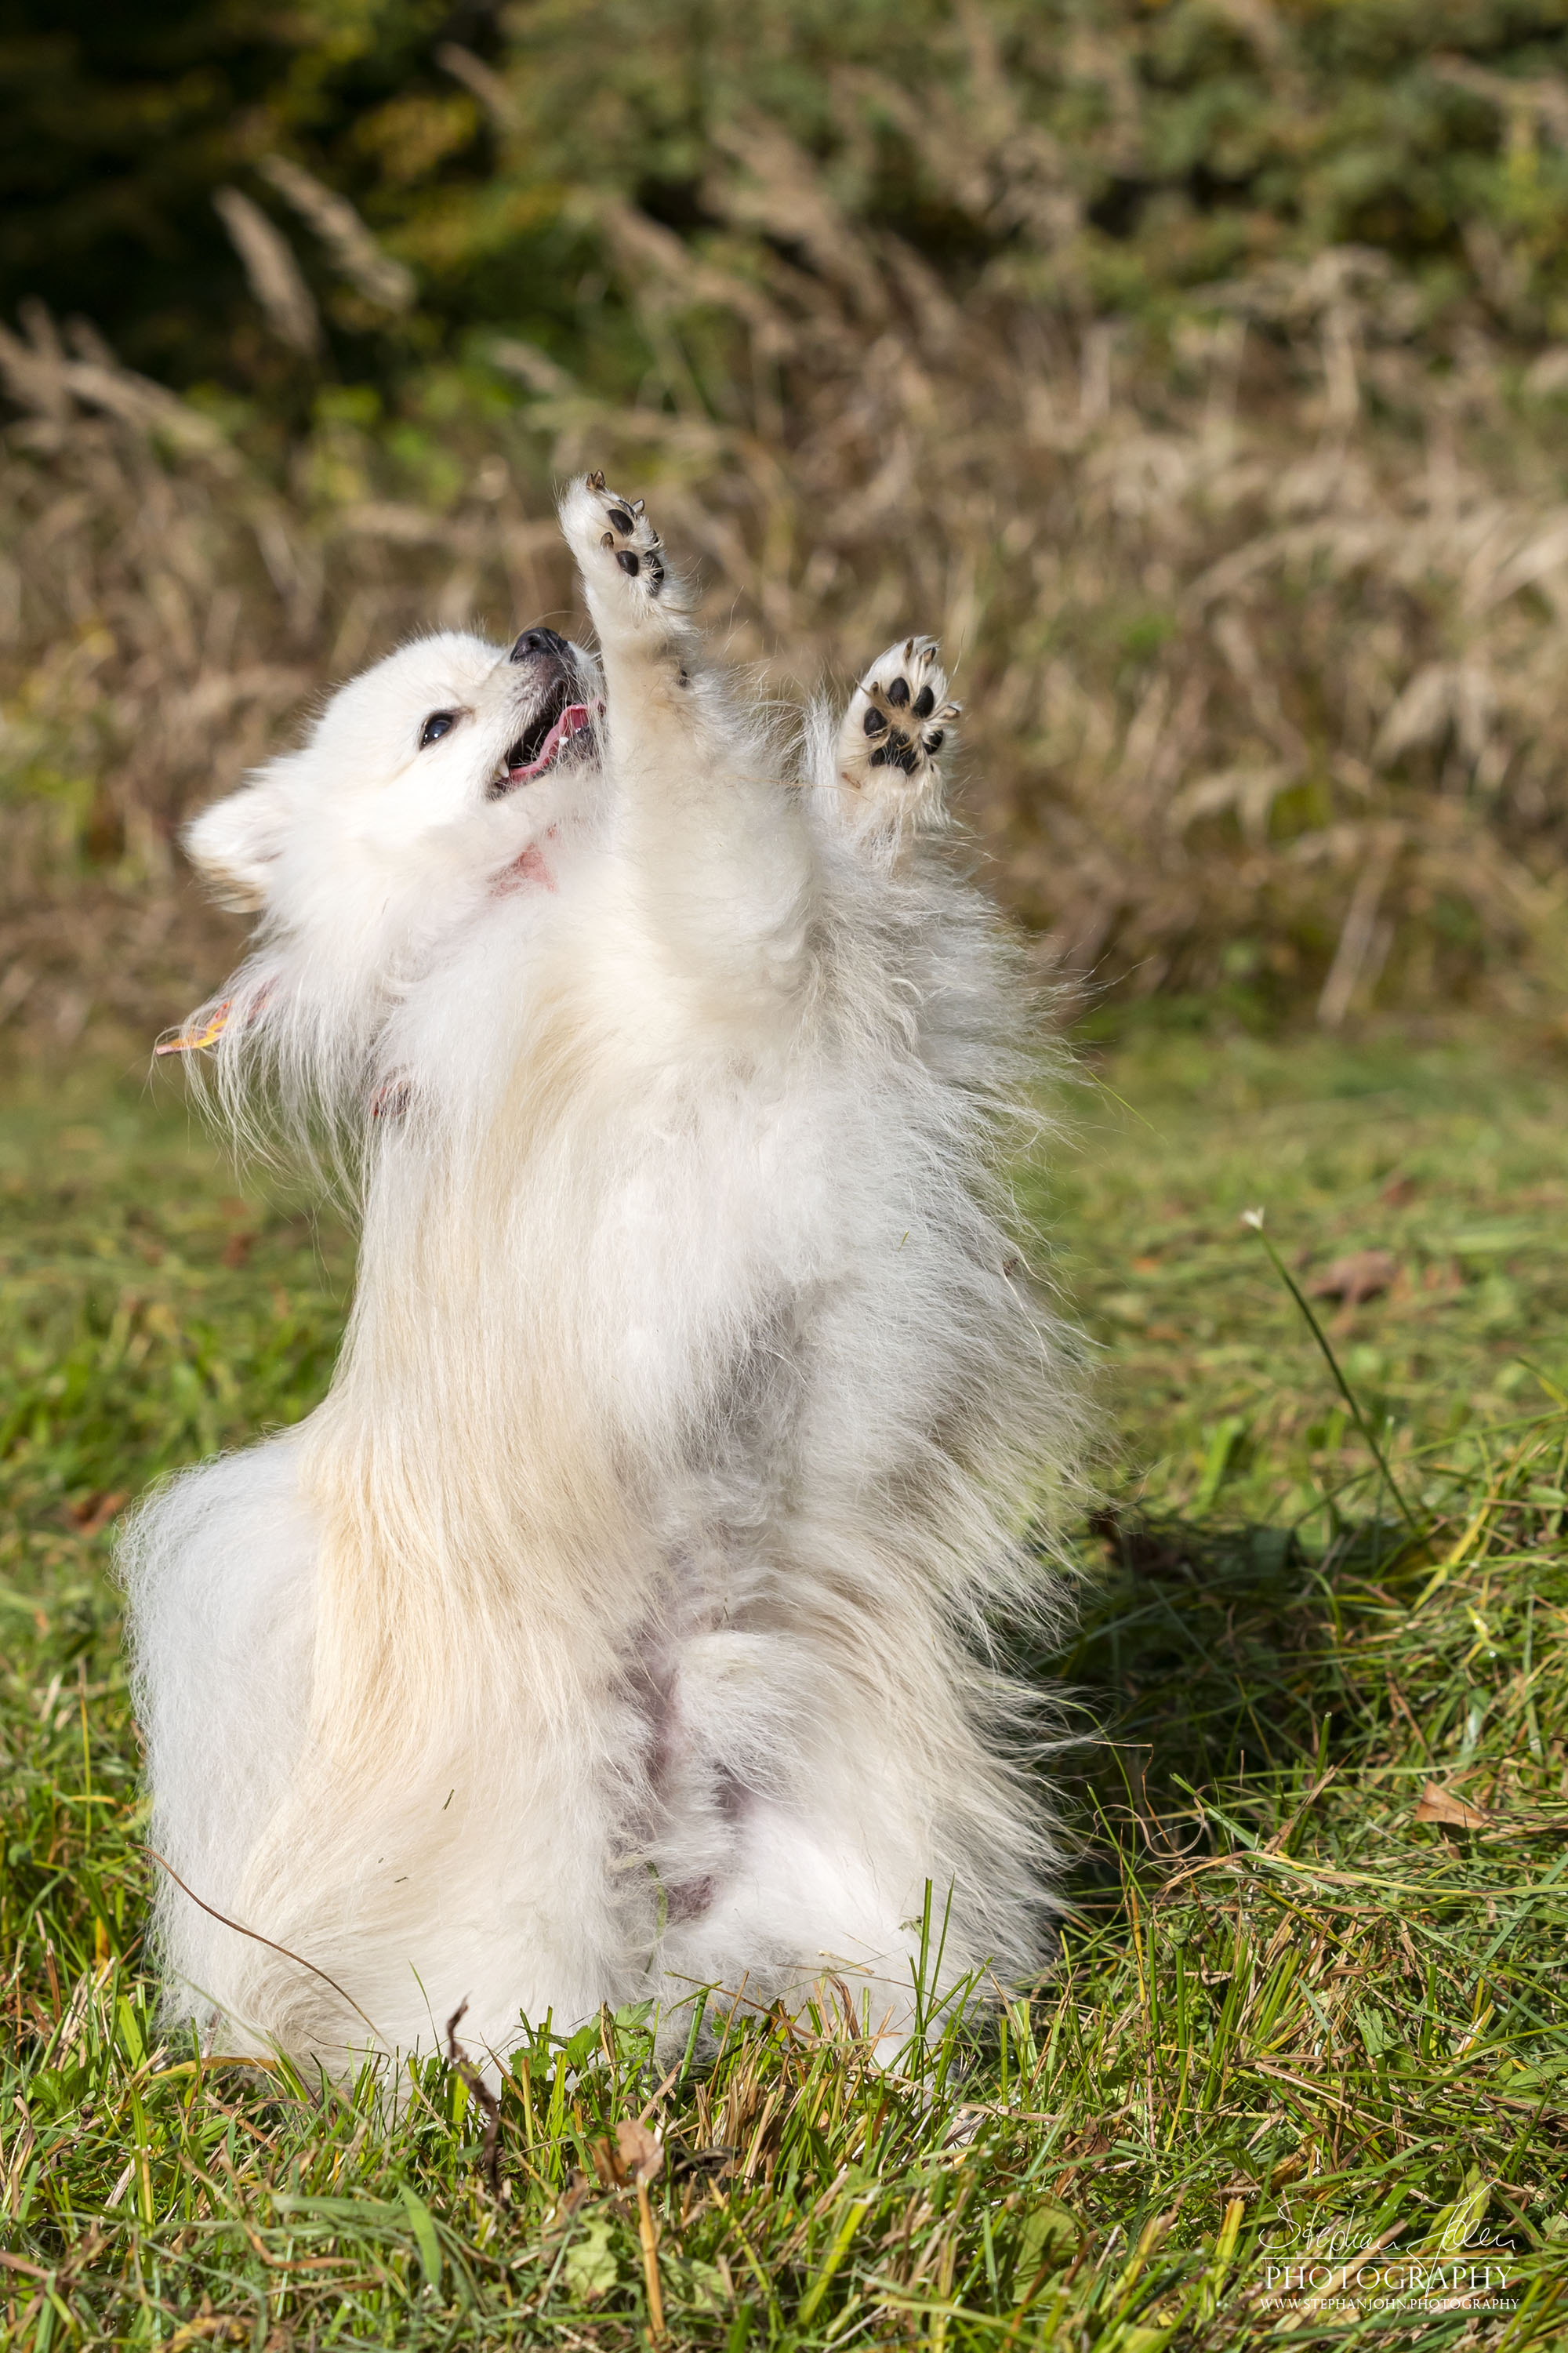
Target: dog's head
(435, 767)
(420, 827)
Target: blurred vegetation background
(1198, 368)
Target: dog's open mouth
(543, 742)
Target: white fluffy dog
(617, 1627)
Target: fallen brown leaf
(1365, 1274)
(641, 2152)
(1440, 1805)
(95, 1512)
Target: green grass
(1295, 2014)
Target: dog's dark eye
(439, 724)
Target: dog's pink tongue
(575, 716)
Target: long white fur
(619, 1624)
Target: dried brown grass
(1258, 621)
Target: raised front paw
(616, 545)
(898, 725)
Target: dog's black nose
(538, 641)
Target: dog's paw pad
(898, 723)
(611, 535)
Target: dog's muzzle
(535, 642)
(560, 716)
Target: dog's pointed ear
(234, 845)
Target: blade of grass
(1254, 1219)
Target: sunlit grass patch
(1300, 2065)
(1444, 1157)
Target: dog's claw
(620, 529)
